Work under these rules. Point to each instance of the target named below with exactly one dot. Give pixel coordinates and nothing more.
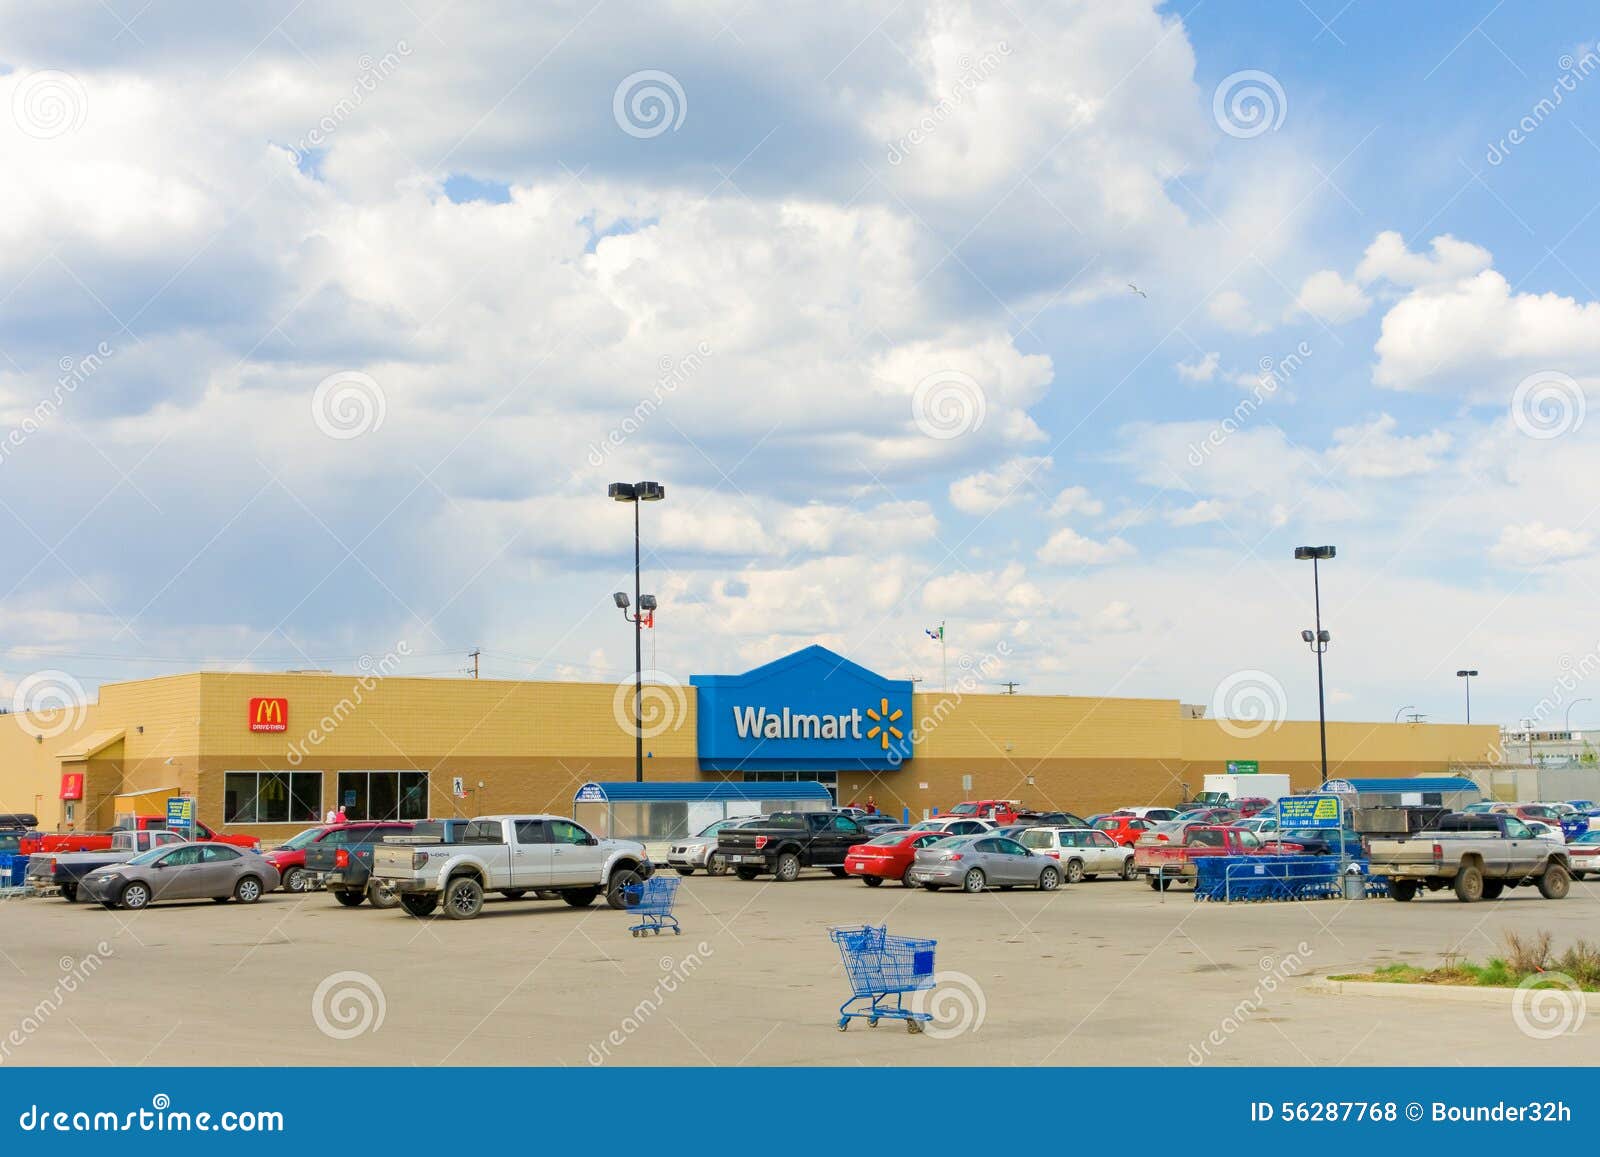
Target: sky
(323, 329)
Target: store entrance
(829, 779)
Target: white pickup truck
(512, 855)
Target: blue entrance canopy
(697, 792)
(1426, 783)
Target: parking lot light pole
(1318, 640)
(1467, 675)
(636, 492)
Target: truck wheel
(381, 897)
(616, 888)
(296, 880)
(419, 903)
(716, 865)
(69, 893)
(1049, 880)
(463, 898)
(973, 881)
(581, 897)
(1074, 871)
(787, 867)
(349, 897)
(1402, 890)
(872, 881)
(747, 873)
(248, 889)
(684, 871)
(1493, 888)
(135, 895)
(1555, 883)
(1469, 884)
(838, 873)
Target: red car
(101, 841)
(289, 857)
(888, 857)
(1124, 829)
(1250, 805)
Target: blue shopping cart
(881, 966)
(652, 900)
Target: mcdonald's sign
(269, 715)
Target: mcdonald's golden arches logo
(269, 715)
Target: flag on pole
(935, 633)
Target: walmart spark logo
(883, 721)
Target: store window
(271, 797)
(383, 795)
(829, 779)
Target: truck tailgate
(393, 861)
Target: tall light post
(1403, 710)
(636, 492)
(1467, 675)
(1567, 721)
(1318, 640)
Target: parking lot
(1101, 972)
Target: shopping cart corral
(881, 967)
(1233, 879)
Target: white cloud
(1450, 260)
(1115, 617)
(1373, 450)
(1066, 547)
(1231, 310)
(1203, 369)
(1329, 296)
(1534, 545)
(989, 490)
(1203, 511)
(1076, 500)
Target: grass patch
(1526, 957)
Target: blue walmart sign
(813, 710)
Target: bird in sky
(1139, 291)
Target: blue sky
(387, 297)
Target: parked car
(878, 822)
(512, 855)
(202, 833)
(953, 826)
(1211, 815)
(888, 856)
(1479, 856)
(185, 871)
(1165, 865)
(65, 870)
(1583, 854)
(346, 869)
(1323, 841)
(1544, 831)
(1250, 805)
(1155, 815)
(34, 843)
(1569, 822)
(686, 856)
(1012, 831)
(1123, 829)
(789, 841)
(1169, 832)
(1083, 853)
(997, 811)
(289, 857)
(977, 863)
(1051, 820)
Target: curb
(1431, 992)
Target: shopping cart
(652, 900)
(881, 966)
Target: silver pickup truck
(512, 855)
(1479, 856)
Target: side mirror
(591, 842)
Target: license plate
(859, 866)
(735, 859)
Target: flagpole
(944, 660)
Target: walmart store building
(266, 753)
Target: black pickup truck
(346, 869)
(789, 841)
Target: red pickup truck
(35, 842)
(1000, 811)
(1165, 864)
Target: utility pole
(1010, 687)
(473, 655)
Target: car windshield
(713, 829)
(301, 839)
(1588, 838)
(1035, 838)
(151, 856)
(893, 839)
(964, 809)
(1107, 824)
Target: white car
(1155, 815)
(954, 825)
(1084, 852)
(694, 852)
(1257, 824)
(1546, 831)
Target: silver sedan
(975, 863)
(192, 871)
